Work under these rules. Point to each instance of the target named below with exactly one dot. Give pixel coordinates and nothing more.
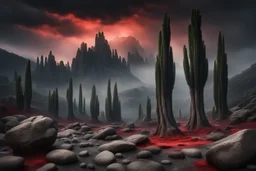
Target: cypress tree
(15, 76)
(56, 102)
(94, 105)
(49, 101)
(196, 72)
(148, 116)
(165, 79)
(116, 108)
(74, 105)
(69, 96)
(28, 87)
(180, 115)
(140, 113)
(80, 99)
(19, 94)
(84, 107)
(220, 82)
(108, 103)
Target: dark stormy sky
(34, 27)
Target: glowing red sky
(136, 26)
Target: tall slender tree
(116, 108)
(74, 105)
(165, 79)
(15, 76)
(108, 103)
(56, 102)
(28, 87)
(148, 115)
(94, 105)
(80, 99)
(84, 107)
(220, 81)
(69, 97)
(53, 102)
(196, 72)
(19, 94)
(140, 113)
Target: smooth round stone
(83, 153)
(145, 165)
(119, 155)
(176, 155)
(88, 136)
(83, 165)
(75, 140)
(12, 163)
(144, 154)
(65, 146)
(61, 156)
(48, 167)
(84, 144)
(90, 166)
(115, 167)
(166, 162)
(104, 158)
(192, 152)
(153, 149)
(126, 161)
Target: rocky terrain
(41, 143)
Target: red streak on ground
(35, 161)
(204, 165)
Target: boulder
(234, 151)
(8, 119)
(67, 133)
(61, 156)
(90, 166)
(176, 155)
(48, 167)
(10, 124)
(2, 127)
(83, 165)
(126, 161)
(215, 136)
(166, 162)
(153, 149)
(116, 167)
(192, 152)
(113, 137)
(104, 132)
(145, 165)
(137, 139)
(127, 130)
(239, 116)
(88, 136)
(64, 146)
(104, 158)
(118, 146)
(11, 163)
(75, 126)
(2, 140)
(20, 117)
(144, 154)
(85, 128)
(83, 153)
(33, 135)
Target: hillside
(9, 62)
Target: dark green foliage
(116, 108)
(196, 72)
(69, 96)
(140, 113)
(108, 103)
(165, 79)
(80, 99)
(148, 115)
(94, 105)
(28, 87)
(220, 81)
(19, 94)
(53, 102)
